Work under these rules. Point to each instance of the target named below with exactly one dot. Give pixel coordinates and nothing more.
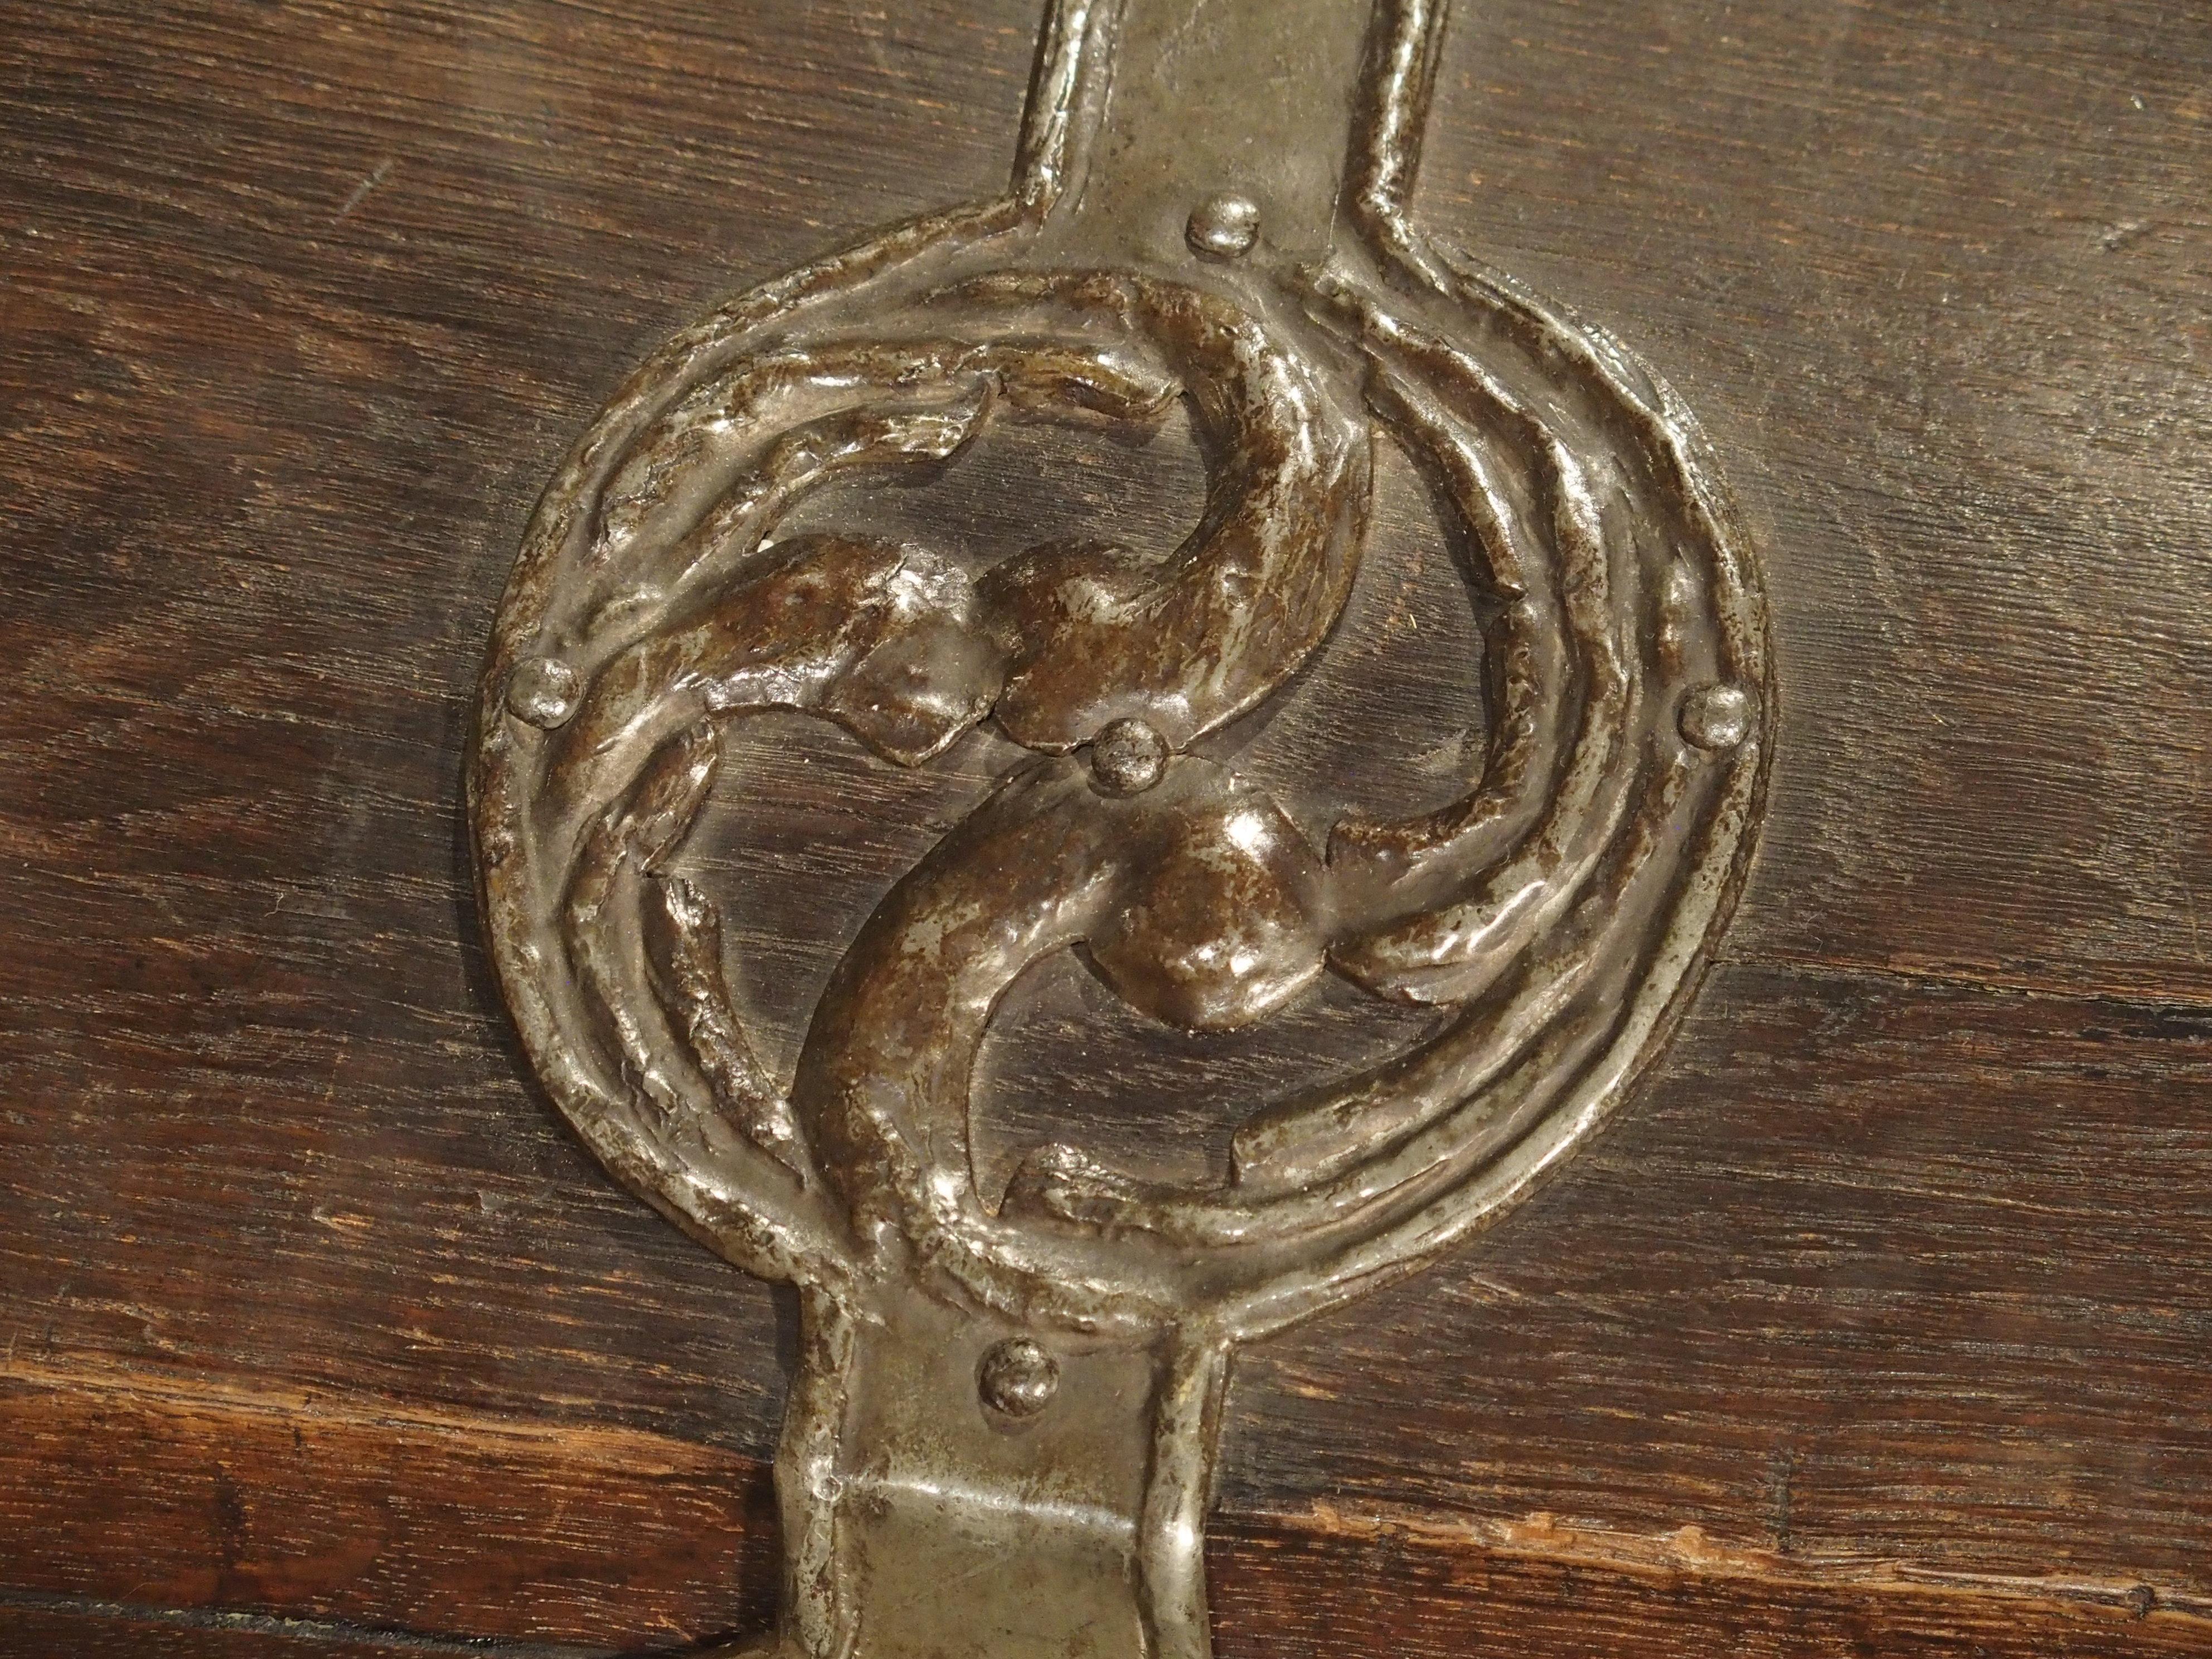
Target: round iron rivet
(1127, 758)
(1018, 1378)
(545, 692)
(1717, 716)
(1224, 227)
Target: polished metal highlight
(1000, 1435)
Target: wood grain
(1399, 1591)
(349, 1521)
(1904, 1253)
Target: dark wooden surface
(1882, 1324)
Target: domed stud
(1223, 227)
(1018, 1378)
(1219, 928)
(1716, 717)
(1127, 758)
(546, 692)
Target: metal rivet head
(1127, 758)
(1717, 716)
(1224, 227)
(1018, 1378)
(545, 692)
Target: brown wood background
(1883, 1325)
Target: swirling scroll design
(1555, 908)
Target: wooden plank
(1808, 1299)
(334, 1508)
(331, 1511)
(1300, 1592)
(1870, 1268)
(2039, 787)
(305, 300)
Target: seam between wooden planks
(305, 1631)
